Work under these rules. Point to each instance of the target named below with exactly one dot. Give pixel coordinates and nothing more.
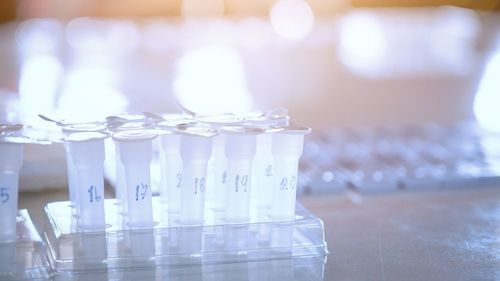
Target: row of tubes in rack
(230, 163)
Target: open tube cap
(254, 114)
(275, 117)
(268, 124)
(167, 116)
(15, 133)
(83, 127)
(220, 120)
(133, 125)
(135, 135)
(86, 136)
(293, 129)
(279, 116)
(125, 122)
(124, 118)
(242, 130)
(170, 124)
(9, 129)
(196, 131)
(277, 113)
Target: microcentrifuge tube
(70, 166)
(196, 149)
(240, 151)
(262, 172)
(218, 161)
(120, 185)
(124, 123)
(287, 148)
(87, 153)
(171, 162)
(136, 154)
(11, 160)
(72, 179)
(171, 169)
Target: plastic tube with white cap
(170, 191)
(287, 149)
(240, 151)
(196, 149)
(136, 154)
(11, 160)
(122, 123)
(87, 154)
(262, 171)
(171, 162)
(218, 159)
(70, 166)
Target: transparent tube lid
(126, 122)
(15, 133)
(170, 123)
(135, 135)
(196, 131)
(242, 130)
(83, 127)
(220, 120)
(9, 129)
(134, 125)
(275, 117)
(293, 129)
(86, 136)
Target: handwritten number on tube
(4, 195)
(93, 195)
(199, 185)
(240, 181)
(288, 183)
(141, 191)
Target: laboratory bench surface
(431, 235)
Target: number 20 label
(288, 183)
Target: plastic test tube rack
(196, 231)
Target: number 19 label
(239, 182)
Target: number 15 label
(4, 195)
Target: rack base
(170, 245)
(24, 259)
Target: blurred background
(336, 65)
